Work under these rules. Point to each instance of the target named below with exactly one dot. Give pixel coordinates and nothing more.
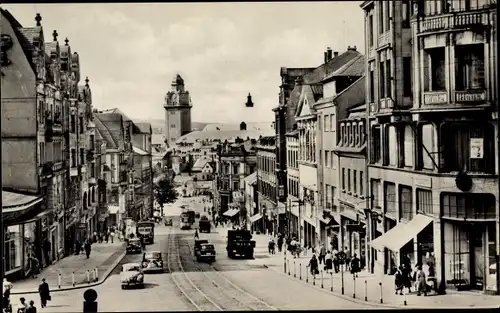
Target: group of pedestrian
(23, 307)
(104, 236)
(424, 279)
(86, 247)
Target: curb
(80, 286)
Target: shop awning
(231, 212)
(113, 209)
(255, 218)
(329, 221)
(401, 234)
(38, 216)
(17, 208)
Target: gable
(207, 167)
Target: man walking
(87, 248)
(44, 292)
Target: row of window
(73, 126)
(461, 146)
(229, 169)
(329, 122)
(351, 181)
(330, 197)
(352, 134)
(51, 152)
(267, 189)
(435, 7)
(266, 164)
(293, 187)
(307, 145)
(292, 158)
(329, 159)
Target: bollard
(331, 281)
(96, 274)
(73, 279)
(59, 280)
(90, 305)
(288, 265)
(284, 264)
(294, 269)
(404, 297)
(381, 298)
(307, 276)
(88, 277)
(366, 290)
(321, 277)
(342, 280)
(314, 279)
(300, 271)
(354, 286)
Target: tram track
(202, 285)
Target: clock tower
(177, 111)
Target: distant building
(177, 111)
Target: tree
(164, 192)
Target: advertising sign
(476, 148)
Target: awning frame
(254, 218)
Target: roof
(355, 67)
(117, 111)
(111, 127)
(236, 127)
(139, 151)
(200, 163)
(352, 96)
(312, 93)
(144, 128)
(29, 34)
(157, 139)
(14, 199)
(331, 66)
(51, 46)
(251, 179)
(223, 135)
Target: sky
(131, 52)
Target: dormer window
(349, 135)
(343, 130)
(356, 134)
(361, 133)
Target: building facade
(267, 187)
(292, 150)
(432, 154)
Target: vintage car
(131, 275)
(197, 215)
(152, 262)
(134, 245)
(168, 222)
(204, 251)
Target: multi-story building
(142, 168)
(432, 155)
(251, 202)
(267, 188)
(342, 89)
(102, 193)
(292, 166)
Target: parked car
(197, 214)
(131, 275)
(152, 262)
(134, 245)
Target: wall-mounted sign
(435, 97)
(476, 148)
(465, 96)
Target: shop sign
(466, 96)
(476, 148)
(435, 97)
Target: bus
(186, 221)
(146, 229)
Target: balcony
(453, 21)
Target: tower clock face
(174, 98)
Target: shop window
(468, 206)
(12, 248)
(468, 146)
(434, 69)
(456, 254)
(405, 202)
(390, 198)
(424, 201)
(469, 67)
(492, 266)
(408, 146)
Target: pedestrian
(399, 281)
(7, 286)
(313, 266)
(46, 251)
(34, 265)
(336, 262)
(280, 243)
(21, 308)
(87, 248)
(107, 236)
(78, 247)
(271, 246)
(31, 308)
(112, 236)
(355, 266)
(322, 253)
(407, 276)
(44, 292)
(196, 236)
(421, 281)
(328, 261)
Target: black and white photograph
(250, 156)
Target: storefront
(309, 234)
(329, 232)
(353, 231)
(469, 237)
(255, 222)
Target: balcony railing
(450, 21)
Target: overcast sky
(131, 52)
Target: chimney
(325, 57)
(335, 54)
(349, 48)
(329, 53)
(243, 126)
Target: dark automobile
(134, 246)
(152, 262)
(168, 222)
(197, 215)
(204, 251)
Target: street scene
(228, 156)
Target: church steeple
(249, 103)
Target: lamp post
(300, 203)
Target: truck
(239, 242)
(204, 224)
(146, 229)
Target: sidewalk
(103, 257)
(368, 285)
